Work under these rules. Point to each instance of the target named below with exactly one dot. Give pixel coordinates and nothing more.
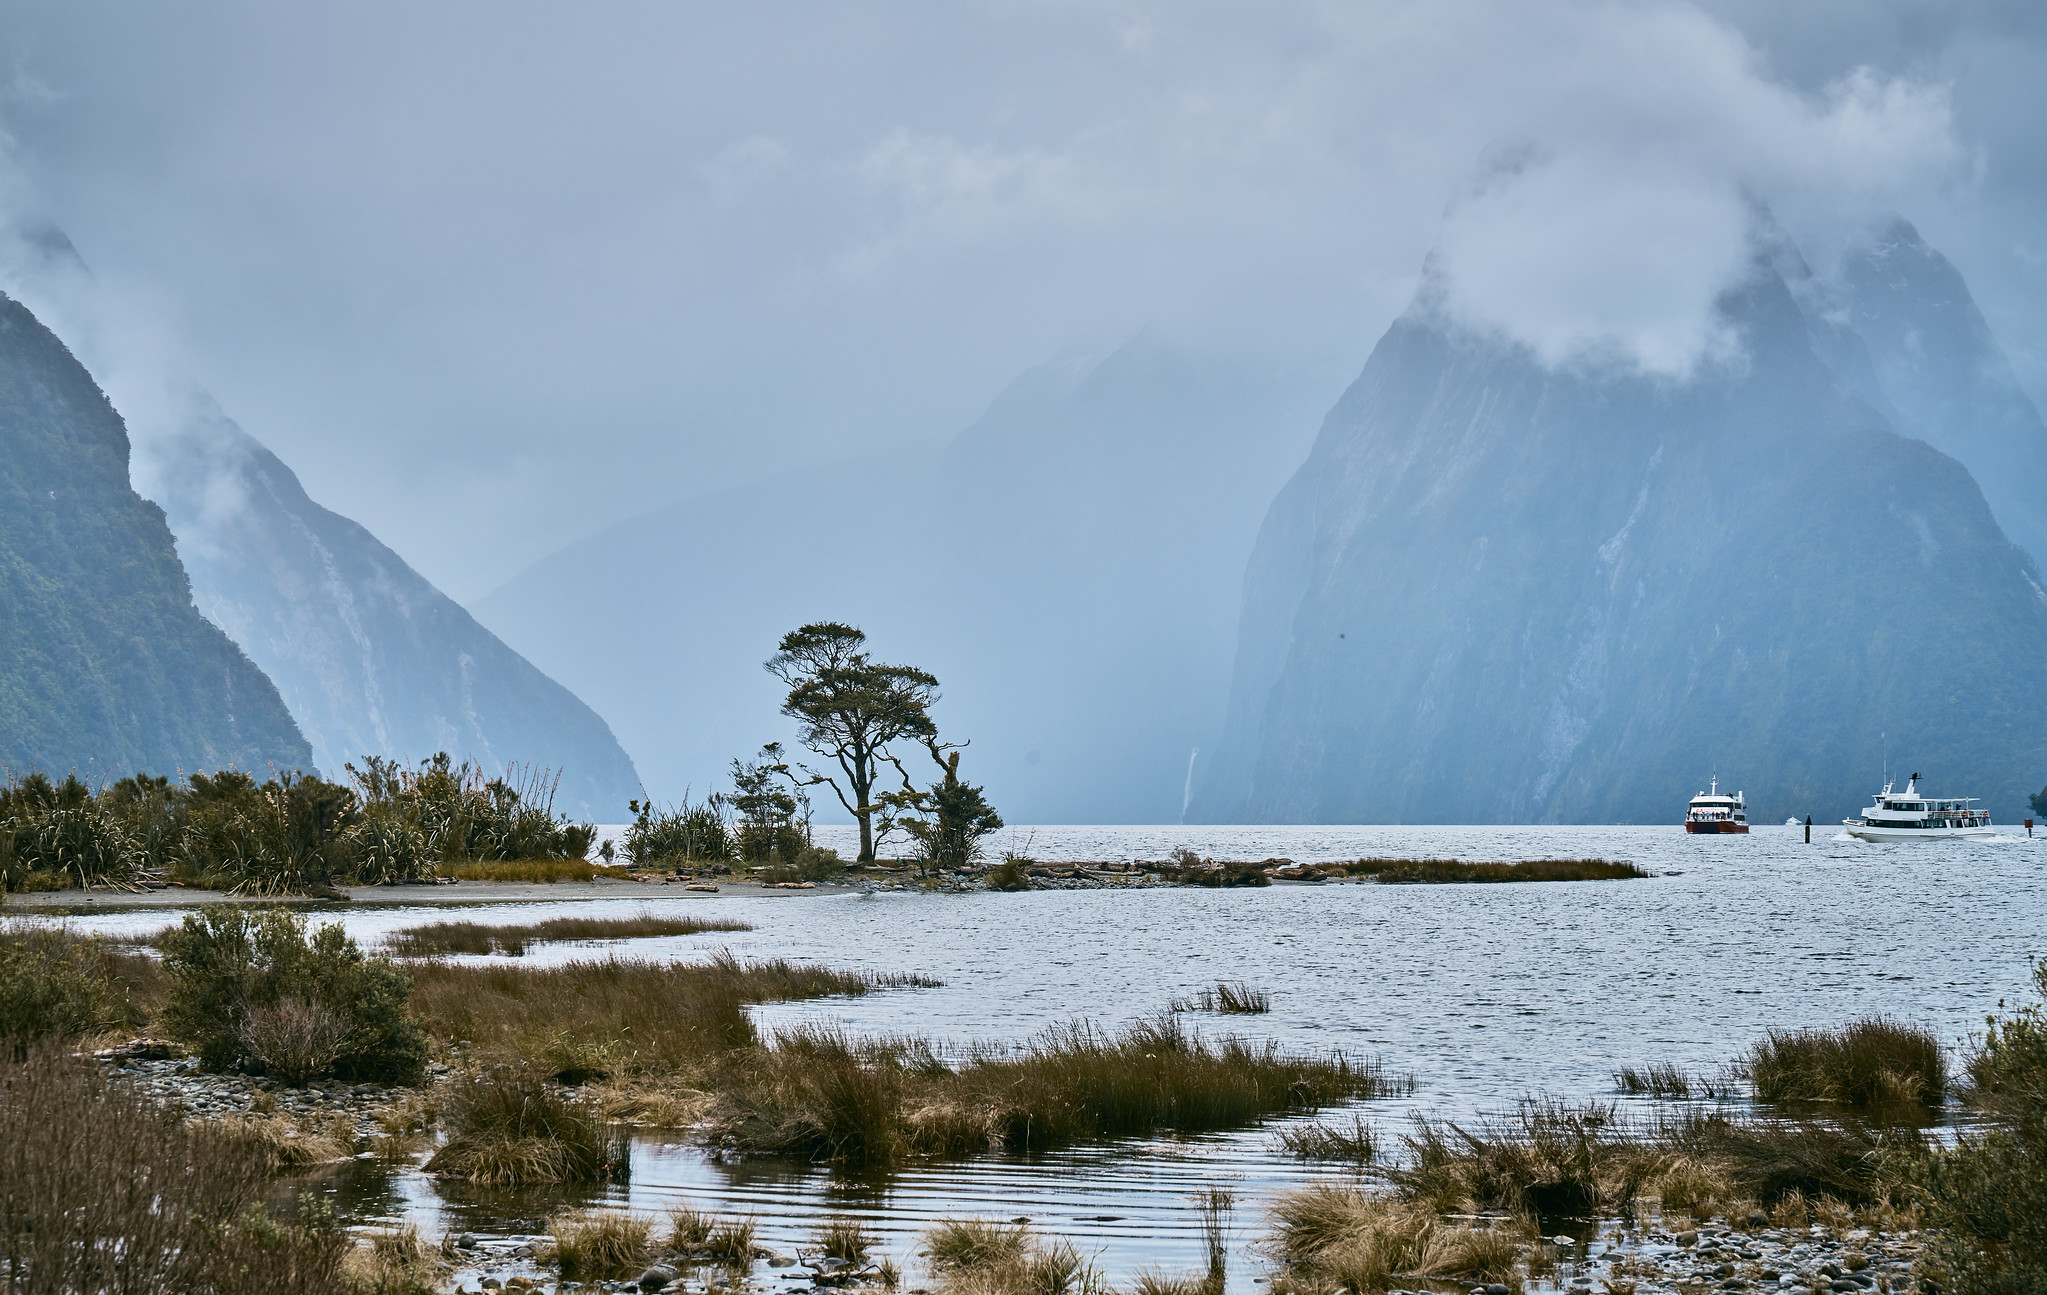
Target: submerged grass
(1659, 1079)
(818, 1095)
(1405, 872)
(1871, 1062)
(1229, 997)
(442, 938)
(1357, 1144)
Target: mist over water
(1482, 993)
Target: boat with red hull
(1712, 812)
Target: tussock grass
(619, 1018)
(988, 1257)
(690, 1230)
(280, 1144)
(820, 1096)
(1333, 1236)
(1357, 1144)
(599, 1244)
(845, 1239)
(395, 1261)
(535, 870)
(1229, 997)
(731, 1241)
(1871, 1062)
(1407, 872)
(442, 938)
(509, 1126)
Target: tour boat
(1712, 812)
(1909, 816)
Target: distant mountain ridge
(106, 667)
(1068, 566)
(1501, 593)
(371, 657)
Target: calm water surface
(1482, 993)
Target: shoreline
(411, 895)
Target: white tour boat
(1714, 813)
(1909, 816)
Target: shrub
(1012, 874)
(510, 1126)
(56, 985)
(681, 834)
(1865, 1063)
(107, 1192)
(1989, 1192)
(228, 965)
(386, 847)
(811, 863)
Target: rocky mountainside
(1497, 592)
(371, 657)
(1068, 567)
(1936, 369)
(106, 666)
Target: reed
(1867, 1063)
(1226, 997)
(442, 938)
(599, 1244)
(1409, 872)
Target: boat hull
(1717, 827)
(1864, 832)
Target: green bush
(1989, 1191)
(55, 985)
(253, 990)
(681, 834)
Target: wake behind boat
(1714, 813)
(1908, 816)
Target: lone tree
(849, 708)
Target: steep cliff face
(1497, 592)
(1936, 366)
(371, 657)
(106, 666)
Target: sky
(490, 274)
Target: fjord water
(1483, 993)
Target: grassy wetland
(596, 1102)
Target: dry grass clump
(655, 1105)
(1547, 1158)
(280, 1144)
(1343, 1237)
(1227, 997)
(1405, 872)
(987, 1257)
(844, 1239)
(1317, 1141)
(441, 938)
(395, 1261)
(536, 870)
(731, 1241)
(598, 1244)
(619, 1018)
(820, 1096)
(1871, 1062)
(510, 1126)
(109, 1192)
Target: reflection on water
(1482, 993)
